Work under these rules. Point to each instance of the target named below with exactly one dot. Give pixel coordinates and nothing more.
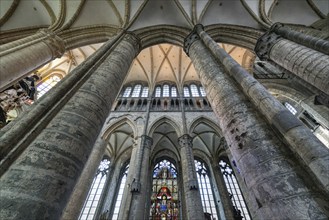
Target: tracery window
(120, 193)
(194, 90)
(127, 92)
(89, 208)
(46, 85)
(206, 193)
(137, 90)
(202, 91)
(233, 188)
(186, 91)
(145, 92)
(158, 91)
(165, 92)
(173, 91)
(164, 199)
(290, 108)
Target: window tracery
(46, 85)
(207, 197)
(173, 91)
(91, 203)
(120, 193)
(136, 91)
(165, 92)
(239, 205)
(186, 91)
(164, 199)
(194, 90)
(127, 92)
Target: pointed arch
(207, 121)
(164, 119)
(116, 124)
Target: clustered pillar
(271, 177)
(40, 182)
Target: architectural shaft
(271, 178)
(307, 63)
(19, 61)
(60, 152)
(302, 141)
(190, 183)
(15, 137)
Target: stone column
(275, 183)
(192, 196)
(21, 60)
(140, 182)
(310, 62)
(78, 197)
(301, 140)
(40, 182)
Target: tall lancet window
(89, 208)
(240, 207)
(45, 86)
(127, 92)
(207, 196)
(164, 199)
(120, 193)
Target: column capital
(185, 141)
(147, 141)
(265, 43)
(55, 43)
(134, 39)
(193, 36)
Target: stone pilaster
(192, 196)
(19, 61)
(312, 65)
(39, 183)
(270, 176)
(301, 140)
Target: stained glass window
(165, 91)
(158, 91)
(186, 92)
(137, 90)
(89, 208)
(127, 92)
(173, 91)
(120, 193)
(194, 90)
(207, 196)
(47, 85)
(145, 92)
(164, 199)
(233, 188)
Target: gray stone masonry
(39, 183)
(272, 178)
(18, 62)
(307, 63)
(190, 182)
(313, 153)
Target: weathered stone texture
(257, 151)
(49, 168)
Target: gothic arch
(115, 124)
(164, 119)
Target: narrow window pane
(137, 91)
(120, 193)
(173, 91)
(186, 92)
(145, 92)
(166, 91)
(203, 93)
(158, 92)
(290, 108)
(97, 186)
(47, 85)
(127, 92)
(194, 91)
(234, 189)
(207, 196)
